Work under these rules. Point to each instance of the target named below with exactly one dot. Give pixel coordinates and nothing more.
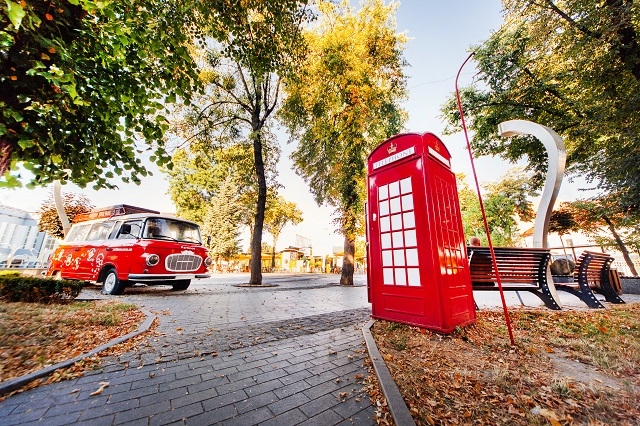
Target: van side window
(100, 231)
(77, 233)
(133, 226)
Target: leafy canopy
(84, 84)
(573, 66)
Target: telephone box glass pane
(385, 224)
(409, 220)
(397, 239)
(398, 257)
(396, 222)
(383, 192)
(387, 259)
(413, 276)
(401, 277)
(384, 208)
(395, 205)
(412, 257)
(405, 185)
(388, 276)
(394, 189)
(410, 239)
(386, 241)
(407, 202)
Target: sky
(441, 34)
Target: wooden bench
(592, 273)
(521, 269)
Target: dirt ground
(567, 367)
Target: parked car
(119, 246)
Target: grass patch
(34, 335)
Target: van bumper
(141, 278)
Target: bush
(39, 290)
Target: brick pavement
(285, 355)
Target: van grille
(182, 262)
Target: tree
(598, 215)
(199, 169)
(84, 85)
(49, 221)
(279, 213)
(221, 227)
(573, 66)
(342, 103)
(506, 202)
(251, 46)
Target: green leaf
(16, 13)
(26, 143)
(56, 159)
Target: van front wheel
(110, 283)
(181, 284)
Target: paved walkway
(285, 355)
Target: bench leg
(587, 297)
(609, 293)
(547, 299)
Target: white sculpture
(557, 158)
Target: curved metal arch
(557, 158)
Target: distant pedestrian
(475, 242)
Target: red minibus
(119, 246)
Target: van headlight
(153, 259)
(208, 261)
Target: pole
(484, 215)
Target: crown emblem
(392, 148)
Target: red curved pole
(484, 215)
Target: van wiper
(164, 237)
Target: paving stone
(211, 417)
(254, 402)
(176, 414)
(59, 420)
(252, 417)
(142, 412)
(134, 394)
(224, 399)
(291, 417)
(318, 405)
(288, 403)
(25, 416)
(328, 417)
(192, 398)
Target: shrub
(39, 290)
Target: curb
(18, 382)
(395, 402)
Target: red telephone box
(417, 254)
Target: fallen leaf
(103, 385)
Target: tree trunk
(621, 246)
(6, 151)
(256, 240)
(346, 278)
(273, 254)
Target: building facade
(21, 244)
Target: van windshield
(171, 229)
